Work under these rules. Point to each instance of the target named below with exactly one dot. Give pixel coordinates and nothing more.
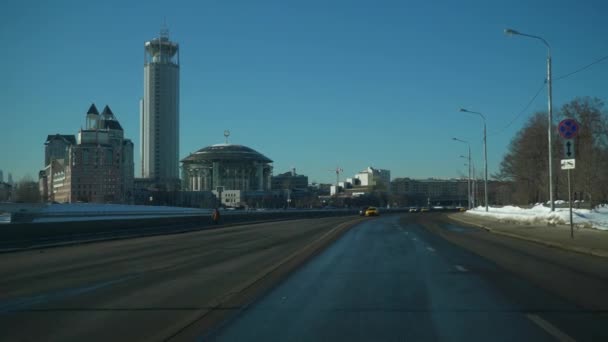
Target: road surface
(393, 280)
(139, 289)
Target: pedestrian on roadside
(216, 216)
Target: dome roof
(227, 152)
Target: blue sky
(311, 84)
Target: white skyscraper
(160, 111)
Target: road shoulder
(586, 241)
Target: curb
(581, 250)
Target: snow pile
(539, 214)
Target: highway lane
(393, 280)
(139, 289)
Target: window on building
(109, 157)
(85, 157)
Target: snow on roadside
(596, 218)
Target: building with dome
(226, 167)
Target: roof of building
(289, 174)
(111, 124)
(227, 152)
(107, 111)
(93, 110)
(69, 138)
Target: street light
(469, 182)
(485, 152)
(473, 182)
(512, 32)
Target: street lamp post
(485, 153)
(469, 189)
(474, 185)
(550, 107)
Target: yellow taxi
(372, 211)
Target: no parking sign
(568, 128)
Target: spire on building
(92, 110)
(107, 113)
(92, 117)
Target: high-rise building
(1, 177)
(57, 147)
(160, 112)
(10, 178)
(95, 166)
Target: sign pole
(568, 129)
(570, 202)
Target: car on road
(414, 210)
(362, 211)
(372, 211)
(424, 210)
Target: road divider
(24, 235)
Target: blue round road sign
(568, 128)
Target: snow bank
(596, 218)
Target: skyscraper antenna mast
(226, 135)
(164, 30)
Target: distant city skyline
(312, 85)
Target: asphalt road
(139, 289)
(391, 279)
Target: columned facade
(232, 167)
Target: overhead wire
(581, 69)
(522, 112)
(502, 130)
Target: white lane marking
(550, 328)
(413, 239)
(431, 249)
(407, 233)
(461, 268)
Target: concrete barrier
(18, 235)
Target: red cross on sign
(568, 128)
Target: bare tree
(27, 191)
(525, 163)
(590, 177)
